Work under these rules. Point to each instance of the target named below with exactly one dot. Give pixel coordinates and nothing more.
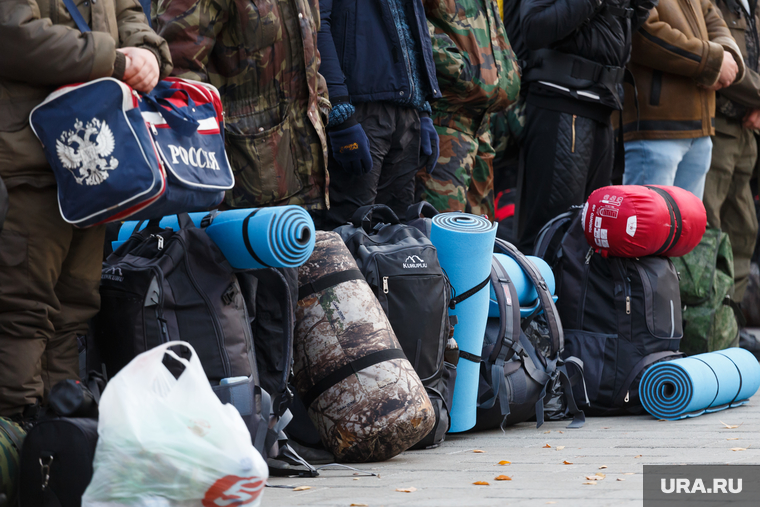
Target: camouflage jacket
(475, 65)
(262, 55)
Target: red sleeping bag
(636, 220)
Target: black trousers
(394, 143)
(564, 158)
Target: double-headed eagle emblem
(86, 150)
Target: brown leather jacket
(733, 102)
(41, 50)
(676, 55)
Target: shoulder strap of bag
(545, 298)
(77, 16)
(545, 236)
(421, 209)
(367, 217)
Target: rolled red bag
(638, 220)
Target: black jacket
(598, 30)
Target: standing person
(728, 196)
(575, 52)
(378, 64)
(263, 58)
(479, 75)
(681, 55)
(50, 270)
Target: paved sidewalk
(444, 476)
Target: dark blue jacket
(362, 53)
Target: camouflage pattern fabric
(463, 178)
(263, 58)
(383, 409)
(706, 283)
(11, 438)
(478, 75)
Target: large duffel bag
(636, 220)
(401, 266)
(619, 315)
(352, 375)
(116, 153)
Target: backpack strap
(468, 293)
(548, 231)
(367, 217)
(77, 16)
(568, 381)
(328, 281)
(545, 298)
(247, 239)
(422, 209)
(676, 221)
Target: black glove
(350, 148)
(429, 142)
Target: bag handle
(421, 209)
(77, 16)
(180, 121)
(367, 217)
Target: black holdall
(401, 266)
(58, 452)
(620, 315)
(518, 364)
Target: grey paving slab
(444, 476)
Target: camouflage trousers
(463, 178)
(728, 199)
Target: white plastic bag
(166, 442)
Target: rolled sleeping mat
(700, 384)
(638, 220)
(465, 245)
(361, 392)
(526, 291)
(278, 237)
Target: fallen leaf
(600, 475)
(561, 432)
(602, 467)
(640, 455)
(593, 478)
(547, 446)
(738, 448)
(735, 438)
(502, 478)
(629, 473)
(478, 451)
(605, 427)
(592, 483)
(481, 483)
(505, 462)
(620, 479)
(567, 462)
(359, 505)
(301, 488)
(357, 478)
(551, 502)
(729, 426)
(560, 447)
(545, 432)
(661, 420)
(406, 490)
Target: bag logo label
(233, 491)
(414, 261)
(112, 273)
(630, 227)
(195, 157)
(85, 151)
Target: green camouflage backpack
(11, 437)
(707, 284)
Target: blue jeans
(680, 162)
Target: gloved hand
(429, 142)
(350, 148)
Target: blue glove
(350, 148)
(429, 142)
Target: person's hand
(429, 143)
(141, 71)
(752, 120)
(728, 70)
(350, 147)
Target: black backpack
(520, 362)
(401, 266)
(620, 315)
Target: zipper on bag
(385, 285)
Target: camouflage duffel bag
(361, 392)
(11, 438)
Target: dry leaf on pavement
(735, 438)
(729, 426)
(620, 479)
(629, 473)
(545, 432)
(406, 490)
(547, 446)
(503, 478)
(481, 483)
(592, 483)
(567, 462)
(359, 505)
(593, 478)
(301, 488)
(602, 467)
(640, 455)
(505, 462)
(738, 448)
(478, 451)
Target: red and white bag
(636, 220)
